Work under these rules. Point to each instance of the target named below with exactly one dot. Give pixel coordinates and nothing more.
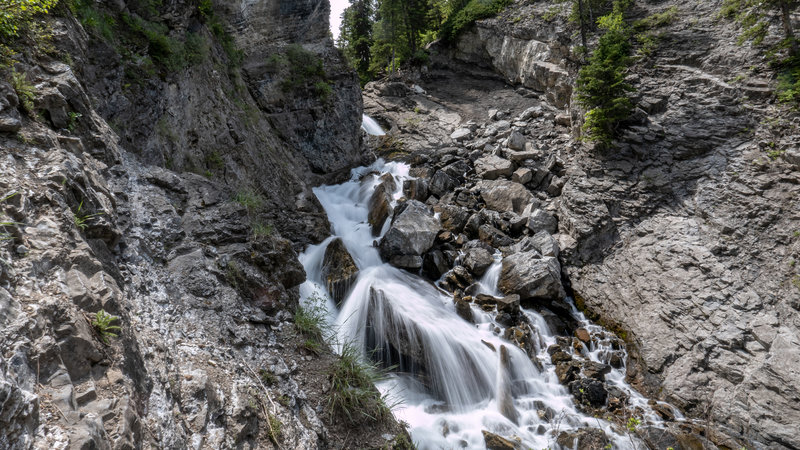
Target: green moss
(466, 16)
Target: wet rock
(595, 370)
(542, 220)
(408, 262)
(338, 270)
(496, 442)
(531, 277)
(505, 400)
(583, 335)
(477, 260)
(567, 371)
(502, 195)
(413, 232)
(492, 167)
(586, 438)
(435, 264)
(457, 278)
(380, 208)
(464, 310)
(589, 392)
(416, 189)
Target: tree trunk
(786, 16)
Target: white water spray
(369, 125)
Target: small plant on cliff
(353, 394)
(26, 92)
(601, 85)
(309, 320)
(103, 324)
(81, 219)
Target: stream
(462, 378)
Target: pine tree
(355, 37)
(601, 85)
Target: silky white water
(453, 379)
(369, 125)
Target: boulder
(496, 442)
(589, 392)
(531, 276)
(380, 208)
(461, 134)
(409, 262)
(478, 260)
(516, 141)
(413, 232)
(542, 220)
(338, 270)
(453, 218)
(502, 195)
(522, 175)
(585, 438)
(434, 264)
(416, 189)
(545, 244)
(493, 236)
(492, 167)
(442, 183)
(497, 127)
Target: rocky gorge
(179, 201)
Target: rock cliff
(156, 177)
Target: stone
(585, 438)
(453, 218)
(380, 208)
(583, 335)
(339, 270)
(531, 277)
(492, 167)
(497, 127)
(413, 232)
(493, 236)
(434, 264)
(545, 244)
(542, 220)
(441, 184)
(464, 310)
(477, 261)
(502, 195)
(595, 370)
(531, 113)
(416, 189)
(522, 175)
(461, 134)
(516, 141)
(410, 262)
(563, 119)
(497, 442)
(589, 392)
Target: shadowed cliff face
(164, 192)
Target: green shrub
(657, 20)
(353, 394)
(309, 320)
(474, 10)
(16, 14)
(601, 86)
(249, 199)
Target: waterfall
(369, 125)
(451, 379)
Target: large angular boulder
(492, 167)
(338, 270)
(413, 232)
(380, 208)
(531, 276)
(478, 260)
(502, 195)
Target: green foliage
(657, 20)
(464, 17)
(249, 199)
(632, 424)
(81, 219)
(260, 229)
(26, 92)
(5, 236)
(301, 71)
(267, 377)
(309, 320)
(73, 120)
(353, 394)
(16, 14)
(103, 324)
(274, 428)
(355, 36)
(101, 23)
(601, 86)
(789, 81)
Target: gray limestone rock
(412, 232)
(502, 195)
(492, 167)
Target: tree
(757, 15)
(355, 38)
(601, 86)
(16, 13)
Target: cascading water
(452, 379)
(369, 125)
